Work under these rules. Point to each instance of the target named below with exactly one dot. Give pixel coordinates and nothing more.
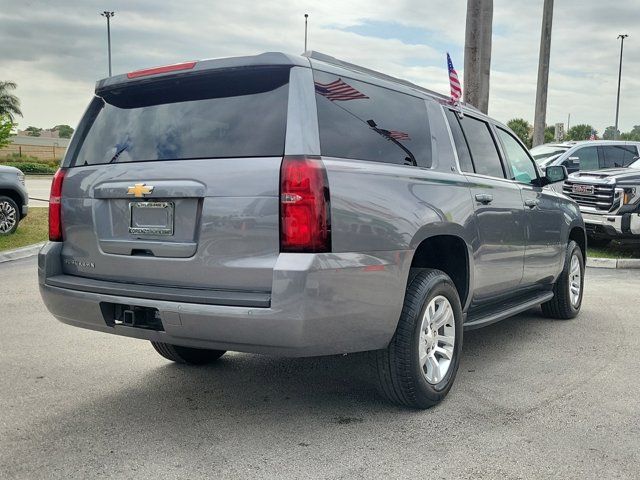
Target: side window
(522, 168)
(587, 158)
(464, 156)
(617, 155)
(366, 122)
(483, 149)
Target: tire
(187, 355)
(400, 374)
(596, 242)
(564, 305)
(9, 216)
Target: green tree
(549, 134)
(9, 103)
(580, 132)
(522, 129)
(6, 125)
(33, 131)
(65, 131)
(610, 133)
(633, 135)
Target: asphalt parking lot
(534, 398)
(38, 187)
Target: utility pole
(477, 53)
(108, 16)
(539, 119)
(621, 37)
(306, 16)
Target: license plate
(583, 189)
(151, 218)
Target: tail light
(55, 207)
(304, 206)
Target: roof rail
(351, 66)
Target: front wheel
(419, 366)
(567, 291)
(187, 355)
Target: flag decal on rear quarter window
(139, 190)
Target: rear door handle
(484, 198)
(531, 203)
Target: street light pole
(108, 16)
(306, 16)
(621, 37)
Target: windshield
(543, 152)
(548, 161)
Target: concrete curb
(619, 263)
(20, 253)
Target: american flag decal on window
(338, 91)
(396, 135)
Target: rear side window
(239, 113)
(617, 155)
(464, 156)
(483, 149)
(366, 122)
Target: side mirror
(556, 173)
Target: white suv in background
(586, 155)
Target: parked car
(610, 202)
(587, 155)
(303, 206)
(14, 200)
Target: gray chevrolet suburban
(300, 206)
(14, 200)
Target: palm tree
(9, 103)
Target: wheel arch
(446, 250)
(578, 235)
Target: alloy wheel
(437, 339)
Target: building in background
(559, 132)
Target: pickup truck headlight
(21, 177)
(631, 195)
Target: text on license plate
(151, 218)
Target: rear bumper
(612, 226)
(321, 304)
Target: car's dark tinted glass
(366, 122)
(483, 149)
(239, 113)
(464, 157)
(617, 155)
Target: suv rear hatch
(174, 181)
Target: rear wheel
(567, 291)
(187, 355)
(419, 366)
(9, 216)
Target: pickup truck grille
(598, 197)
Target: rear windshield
(233, 113)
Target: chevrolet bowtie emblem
(139, 190)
